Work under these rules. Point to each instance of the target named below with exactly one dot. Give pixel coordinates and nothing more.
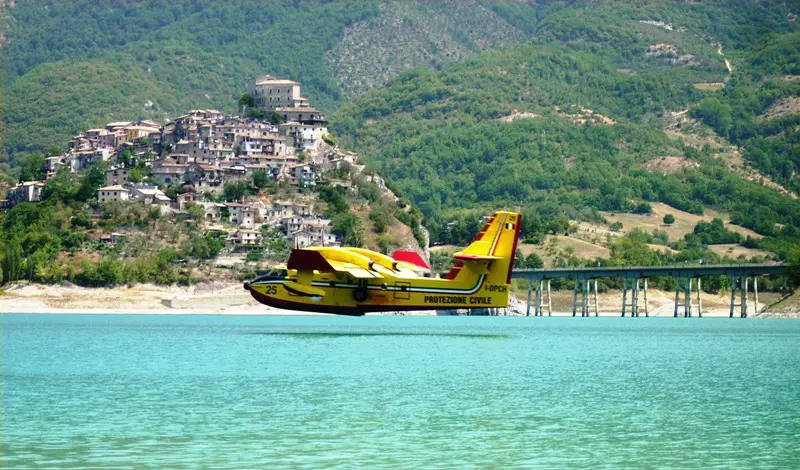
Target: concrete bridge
(634, 280)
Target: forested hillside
(573, 124)
(71, 65)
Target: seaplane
(355, 281)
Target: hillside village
(196, 160)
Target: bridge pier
(699, 300)
(624, 295)
(575, 299)
(742, 283)
(677, 296)
(646, 308)
(688, 307)
(536, 292)
(585, 300)
(582, 286)
(755, 293)
(638, 290)
(528, 305)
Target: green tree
(92, 179)
(13, 263)
(135, 175)
(533, 261)
(247, 101)
(381, 219)
(349, 227)
(254, 256)
(33, 168)
(275, 118)
(196, 212)
(669, 219)
(235, 191)
(125, 157)
(61, 187)
(261, 179)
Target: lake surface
(116, 391)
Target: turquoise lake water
(116, 391)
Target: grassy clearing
(734, 251)
(684, 221)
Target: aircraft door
(402, 290)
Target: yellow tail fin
(492, 251)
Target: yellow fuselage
(340, 294)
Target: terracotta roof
(113, 188)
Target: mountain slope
(407, 34)
(563, 129)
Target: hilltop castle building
(270, 93)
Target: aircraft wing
(308, 261)
(353, 270)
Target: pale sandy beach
(211, 298)
(216, 298)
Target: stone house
(171, 173)
(260, 145)
(303, 115)
(300, 239)
(303, 137)
(212, 211)
(186, 198)
(150, 196)
(245, 237)
(29, 191)
(53, 164)
(269, 93)
(116, 176)
(196, 150)
(113, 194)
(81, 160)
(240, 215)
(304, 173)
(292, 224)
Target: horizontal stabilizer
(304, 290)
(468, 257)
(410, 257)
